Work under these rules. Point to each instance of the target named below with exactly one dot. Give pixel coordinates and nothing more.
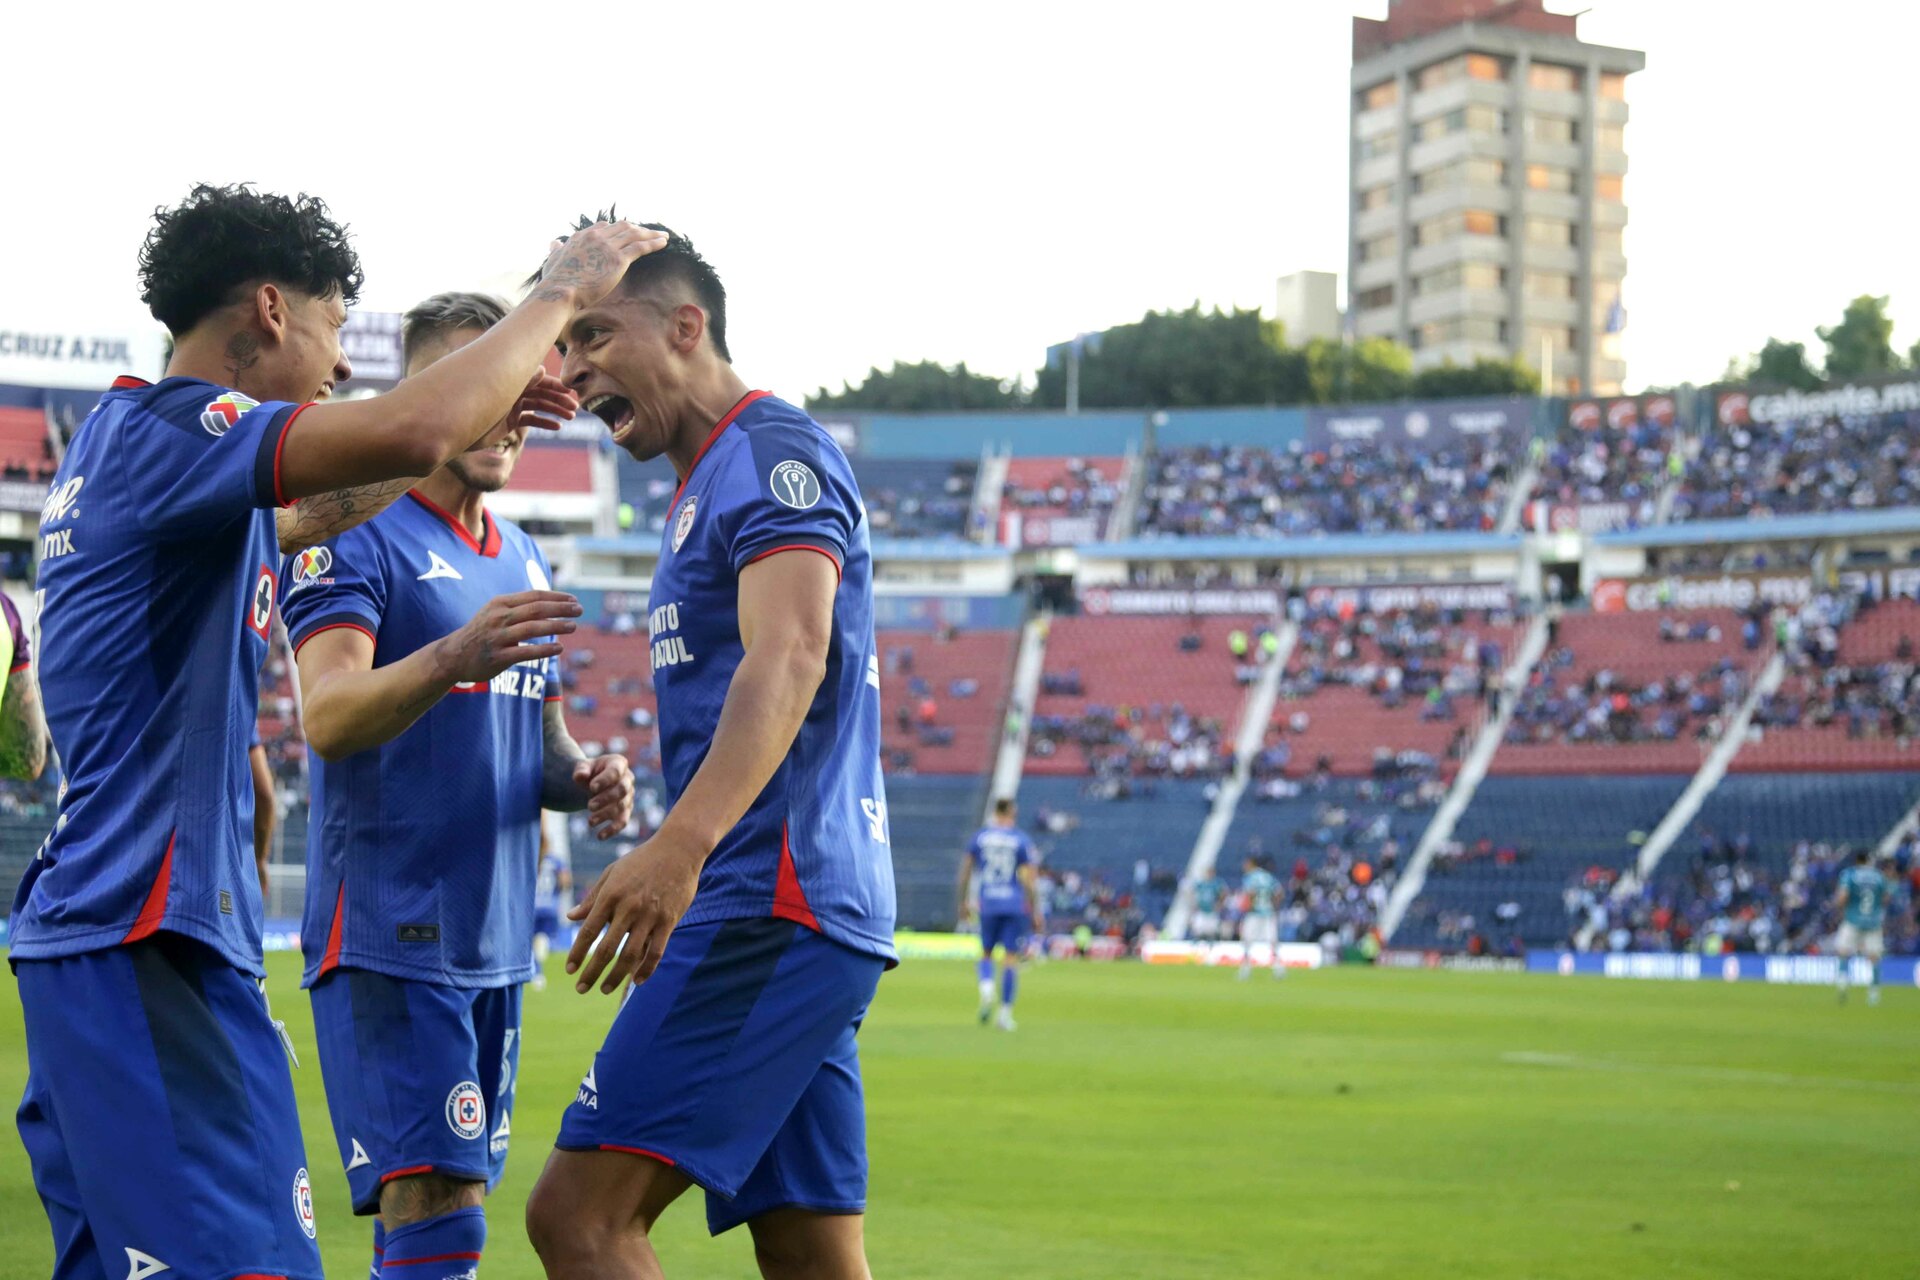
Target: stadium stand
(1608, 458)
(929, 819)
(944, 698)
(25, 452)
(1093, 842)
(554, 468)
(1049, 488)
(1825, 463)
(1126, 696)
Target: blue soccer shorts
(1006, 929)
(736, 1064)
(419, 1077)
(159, 1117)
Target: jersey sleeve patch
(794, 491)
(216, 458)
(335, 584)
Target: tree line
(1188, 359)
(1859, 346)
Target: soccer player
(758, 917)
(552, 887)
(159, 1115)
(425, 640)
(1002, 855)
(1261, 923)
(23, 724)
(1207, 894)
(1862, 896)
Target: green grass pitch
(1160, 1122)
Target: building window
(1476, 118)
(1438, 333)
(1606, 240)
(1607, 186)
(1613, 84)
(1549, 284)
(1554, 130)
(1467, 66)
(1462, 275)
(1553, 233)
(1553, 77)
(1384, 94)
(1374, 298)
(1484, 66)
(1472, 222)
(1379, 247)
(1611, 137)
(1376, 197)
(1380, 144)
(1549, 177)
(1473, 171)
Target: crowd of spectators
(1604, 707)
(1811, 464)
(1427, 657)
(918, 717)
(1728, 900)
(1627, 462)
(1872, 699)
(929, 503)
(1346, 487)
(1078, 488)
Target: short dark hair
(678, 261)
(446, 313)
(1003, 807)
(218, 240)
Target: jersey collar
(127, 382)
(488, 546)
(713, 435)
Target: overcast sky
(954, 182)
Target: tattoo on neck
(243, 351)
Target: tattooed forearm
(23, 729)
(557, 788)
(325, 515)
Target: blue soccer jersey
(157, 584)
(997, 854)
(813, 847)
(421, 852)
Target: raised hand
(585, 267)
(497, 637)
(545, 404)
(608, 784)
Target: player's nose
(573, 371)
(342, 369)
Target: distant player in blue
(1862, 898)
(1208, 893)
(1260, 923)
(159, 1116)
(552, 894)
(426, 639)
(265, 812)
(758, 918)
(1002, 857)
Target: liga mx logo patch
(683, 523)
(309, 565)
(795, 485)
(303, 1202)
(220, 415)
(466, 1110)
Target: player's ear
(689, 322)
(270, 310)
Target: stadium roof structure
(1329, 546)
(883, 548)
(1812, 527)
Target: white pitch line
(1739, 1074)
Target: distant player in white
(1261, 921)
(1862, 895)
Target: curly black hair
(205, 249)
(679, 261)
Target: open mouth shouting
(616, 411)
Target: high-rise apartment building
(1486, 202)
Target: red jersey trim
(713, 435)
(127, 382)
(331, 961)
(333, 626)
(279, 451)
(407, 1172)
(789, 899)
(154, 910)
(639, 1151)
(800, 546)
(438, 1257)
(257, 1275)
(488, 545)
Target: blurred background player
(1261, 923)
(1001, 856)
(552, 894)
(266, 813)
(426, 641)
(159, 1116)
(1207, 895)
(23, 724)
(1862, 898)
(759, 916)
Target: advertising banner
(1394, 597)
(1397, 958)
(1294, 955)
(371, 340)
(1744, 406)
(1153, 601)
(1741, 590)
(1426, 423)
(81, 358)
(1622, 413)
(1896, 971)
(1018, 529)
(1585, 517)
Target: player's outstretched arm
(1030, 881)
(569, 782)
(786, 626)
(426, 420)
(963, 912)
(351, 705)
